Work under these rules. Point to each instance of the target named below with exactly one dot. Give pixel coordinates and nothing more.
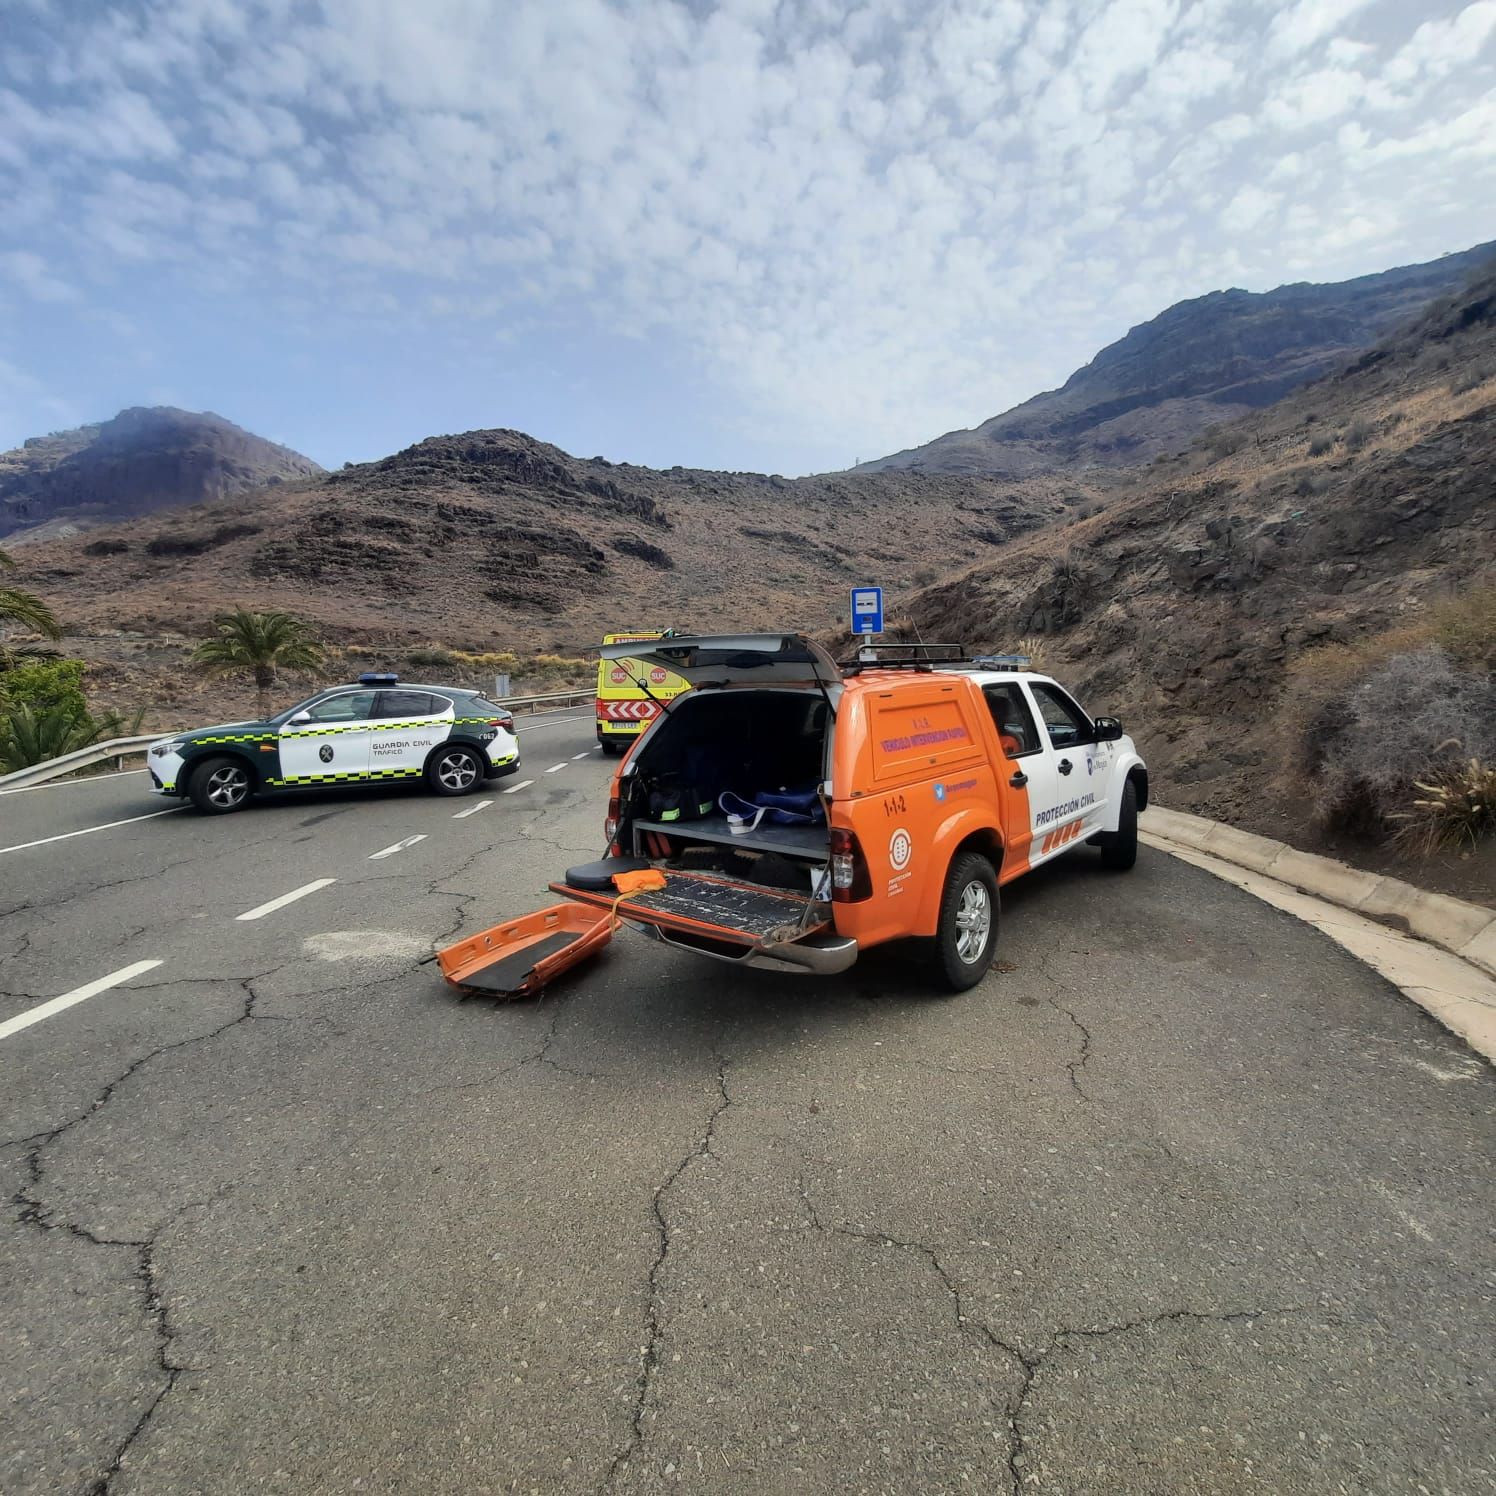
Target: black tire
(611, 746)
(454, 770)
(970, 888)
(1119, 848)
(221, 784)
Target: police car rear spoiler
(736, 659)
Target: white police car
(375, 731)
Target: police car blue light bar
(379, 678)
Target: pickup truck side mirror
(1108, 729)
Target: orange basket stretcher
(518, 957)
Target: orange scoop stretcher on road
(519, 957)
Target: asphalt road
(1180, 1199)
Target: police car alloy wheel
(220, 785)
(454, 771)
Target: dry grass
(1456, 808)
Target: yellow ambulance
(631, 693)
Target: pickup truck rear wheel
(966, 938)
(1119, 848)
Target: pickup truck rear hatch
(733, 921)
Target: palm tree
(30, 737)
(260, 643)
(22, 608)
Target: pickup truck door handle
(1065, 766)
(1019, 779)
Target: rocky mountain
(142, 461)
(1200, 363)
(491, 539)
(1357, 503)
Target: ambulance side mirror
(1108, 729)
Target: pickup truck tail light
(850, 881)
(610, 826)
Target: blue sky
(770, 234)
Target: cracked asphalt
(1179, 1199)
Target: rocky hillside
(142, 461)
(1199, 363)
(1357, 503)
(495, 540)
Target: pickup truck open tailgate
(732, 921)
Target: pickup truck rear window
(1013, 720)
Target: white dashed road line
(107, 826)
(472, 810)
(576, 756)
(66, 784)
(77, 995)
(524, 784)
(554, 767)
(286, 898)
(399, 846)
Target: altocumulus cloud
(865, 223)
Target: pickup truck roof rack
(917, 657)
(1001, 662)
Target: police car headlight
(160, 750)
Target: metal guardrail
(81, 758)
(97, 753)
(560, 698)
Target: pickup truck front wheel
(966, 938)
(1119, 848)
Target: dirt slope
(495, 540)
(1180, 605)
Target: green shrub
(1321, 444)
(29, 736)
(431, 654)
(46, 686)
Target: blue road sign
(867, 610)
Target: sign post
(867, 610)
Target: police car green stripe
(373, 731)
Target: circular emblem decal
(657, 675)
(325, 753)
(900, 849)
(618, 675)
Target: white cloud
(29, 271)
(875, 222)
(1299, 26)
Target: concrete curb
(1465, 930)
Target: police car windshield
(300, 706)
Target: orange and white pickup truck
(800, 811)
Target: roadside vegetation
(528, 674)
(1393, 738)
(43, 711)
(260, 645)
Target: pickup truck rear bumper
(814, 955)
